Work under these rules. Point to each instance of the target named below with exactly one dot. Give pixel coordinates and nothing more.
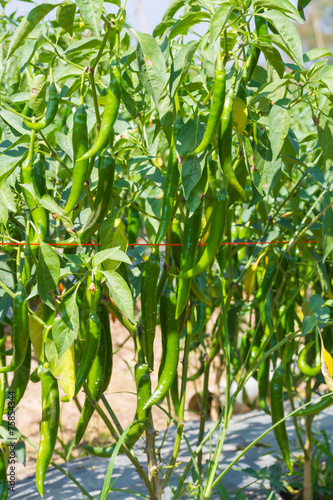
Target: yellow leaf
(239, 115)
(326, 365)
(63, 368)
(250, 279)
(101, 100)
(36, 331)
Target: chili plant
(211, 156)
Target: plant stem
(114, 434)
(228, 404)
(180, 422)
(307, 476)
(152, 460)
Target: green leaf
(91, 11)
(267, 175)
(151, 65)
(28, 23)
(14, 123)
(328, 225)
(120, 293)
(113, 234)
(192, 19)
(197, 192)
(279, 120)
(28, 50)
(180, 65)
(65, 327)
(308, 324)
(288, 34)
(86, 43)
(108, 476)
(50, 204)
(191, 172)
(173, 9)
(37, 94)
(111, 253)
(281, 5)
(48, 271)
(7, 197)
(9, 164)
(272, 56)
(65, 16)
(313, 54)
(219, 20)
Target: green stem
(180, 421)
(124, 448)
(228, 407)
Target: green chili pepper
(215, 236)
(190, 242)
(95, 383)
(263, 384)
(215, 110)
(38, 213)
(93, 335)
(276, 389)
(316, 408)
(51, 110)
(149, 282)
(266, 282)
(3, 477)
(49, 424)
(106, 331)
(20, 337)
(133, 225)
(103, 198)
(170, 334)
(225, 139)
(143, 387)
(176, 240)
(253, 58)
(302, 364)
(101, 203)
(110, 114)
(39, 175)
(170, 188)
(80, 147)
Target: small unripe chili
(311, 371)
(277, 411)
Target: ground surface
(243, 429)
